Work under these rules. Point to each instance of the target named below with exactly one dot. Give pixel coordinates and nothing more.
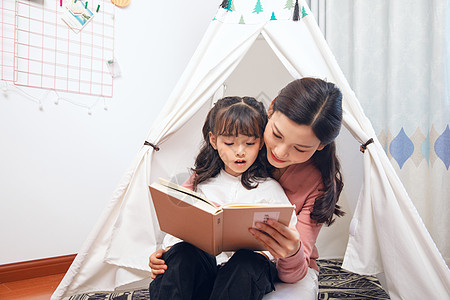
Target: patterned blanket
(334, 283)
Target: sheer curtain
(396, 57)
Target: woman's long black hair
(317, 103)
(232, 116)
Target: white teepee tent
(386, 233)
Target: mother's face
(289, 143)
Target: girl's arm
(156, 264)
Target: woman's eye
(299, 150)
(228, 144)
(276, 135)
(251, 144)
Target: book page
(238, 220)
(200, 203)
(188, 218)
(180, 198)
(184, 190)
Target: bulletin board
(7, 10)
(40, 50)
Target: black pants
(193, 274)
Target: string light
(47, 96)
(4, 89)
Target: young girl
(231, 167)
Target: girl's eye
(299, 150)
(251, 144)
(229, 144)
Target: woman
(304, 120)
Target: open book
(192, 218)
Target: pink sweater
(302, 184)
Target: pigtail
(207, 163)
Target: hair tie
(363, 147)
(153, 145)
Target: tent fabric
(386, 233)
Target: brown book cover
(192, 218)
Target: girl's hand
(157, 265)
(281, 241)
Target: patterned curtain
(396, 57)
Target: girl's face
(289, 143)
(238, 153)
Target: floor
(40, 288)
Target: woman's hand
(281, 241)
(157, 265)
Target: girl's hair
(317, 103)
(231, 116)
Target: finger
(154, 257)
(157, 261)
(279, 244)
(272, 251)
(267, 241)
(282, 229)
(157, 264)
(158, 267)
(159, 253)
(271, 231)
(156, 273)
(279, 232)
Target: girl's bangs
(234, 122)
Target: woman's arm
(294, 247)
(280, 240)
(295, 268)
(284, 243)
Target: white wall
(60, 166)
